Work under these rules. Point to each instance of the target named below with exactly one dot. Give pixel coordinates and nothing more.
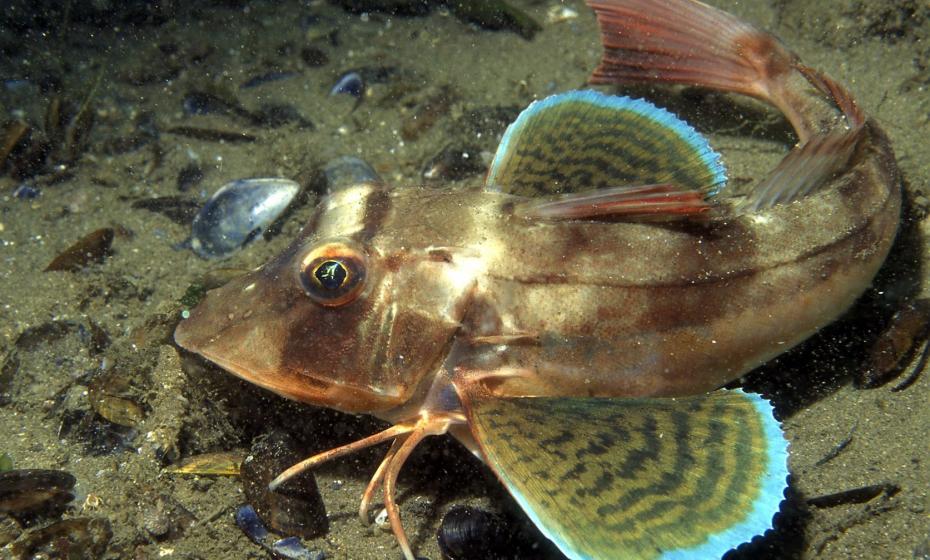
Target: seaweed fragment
(314, 57)
(858, 495)
(27, 493)
(495, 15)
(79, 537)
(189, 176)
(428, 113)
(178, 209)
(212, 134)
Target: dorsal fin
(805, 169)
(585, 140)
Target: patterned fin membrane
(585, 140)
(638, 478)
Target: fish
(572, 322)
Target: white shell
(559, 13)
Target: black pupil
(331, 275)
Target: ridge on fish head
(324, 322)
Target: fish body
(592, 308)
(473, 312)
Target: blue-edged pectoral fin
(637, 478)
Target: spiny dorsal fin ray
(805, 169)
(631, 203)
(637, 478)
(585, 140)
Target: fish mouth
(260, 368)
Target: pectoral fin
(637, 478)
(584, 140)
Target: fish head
(344, 317)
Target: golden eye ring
(333, 274)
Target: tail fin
(688, 42)
(685, 42)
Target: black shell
(294, 509)
(467, 533)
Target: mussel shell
(113, 397)
(467, 533)
(350, 83)
(238, 213)
(346, 171)
(294, 509)
(29, 492)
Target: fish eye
(333, 274)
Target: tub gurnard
(571, 322)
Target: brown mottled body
(641, 309)
(582, 308)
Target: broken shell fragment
(93, 248)
(558, 13)
(225, 463)
(77, 538)
(289, 548)
(26, 493)
(350, 83)
(238, 213)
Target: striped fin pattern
(640, 478)
(585, 140)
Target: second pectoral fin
(637, 478)
(584, 140)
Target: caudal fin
(688, 42)
(685, 42)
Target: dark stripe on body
(377, 209)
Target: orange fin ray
(377, 479)
(406, 436)
(320, 458)
(662, 202)
(390, 486)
